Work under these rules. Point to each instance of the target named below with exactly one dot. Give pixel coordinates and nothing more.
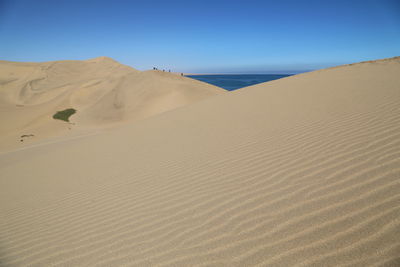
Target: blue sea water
(232, 82)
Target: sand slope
(103, 92)
(302, 171)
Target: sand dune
(102, 91)
(302, 171)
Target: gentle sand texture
(103, 92)
(302, 171)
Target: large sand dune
(302, 171)
(102, 91)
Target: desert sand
(301, 171)
(101, 90)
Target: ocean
(232, 82)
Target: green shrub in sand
(64, 114)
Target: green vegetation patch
(64, 114)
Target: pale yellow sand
(302, 171)
(102, 91)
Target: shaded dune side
(303, 171)
(141, 95)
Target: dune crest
(302, 171)
(101, 59)
(103, 92)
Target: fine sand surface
(302, 171)
(103, 91)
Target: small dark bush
(64, 114)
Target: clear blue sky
(219, 36)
